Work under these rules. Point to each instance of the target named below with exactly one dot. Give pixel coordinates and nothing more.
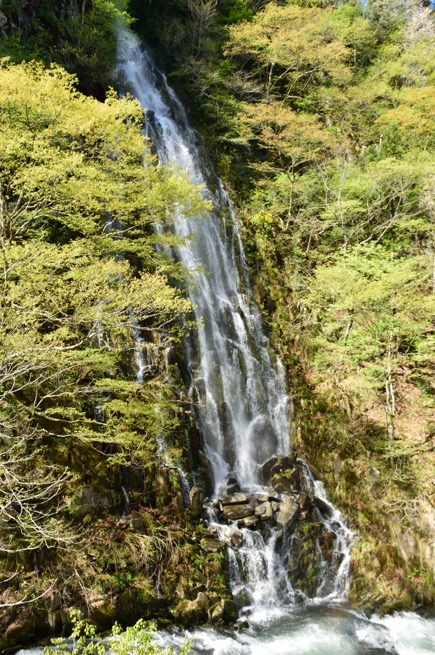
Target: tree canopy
(79, 199)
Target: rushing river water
(312, 631)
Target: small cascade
(267, 509)
(259, 580)
(125, 498)
(341, 559)
(141, 365)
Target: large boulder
(275, 465)
(212, 543)
(236, 512)
(224, 612)
(235, 499)
(287, 512)
(196, 497)
(264, 511)
(230, 485)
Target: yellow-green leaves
(293, 47)
(373, 316)
(79, 278)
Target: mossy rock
(190, 612)
(19, 632)
(103, 616)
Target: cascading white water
(243, 405)
(241, 397)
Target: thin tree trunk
(390, 396)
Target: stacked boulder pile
(286, 504)
(286, 497)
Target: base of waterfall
(285, 543)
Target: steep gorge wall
(25, 14)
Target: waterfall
(237, 386)
(243, 404)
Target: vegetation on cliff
(80, 35)
(79, 202)
(321, 118)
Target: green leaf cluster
(138, 639)
(79, 200)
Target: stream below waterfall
(310, 631)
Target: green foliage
(77, 206)
(374, 312)
(89, 42)
(138, 639)
(83, 42)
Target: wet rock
(322, 506)
(236, 512)
(230, 486)
(287, 512)
(235, 499)
(253, 501)
(263, 435)
(196, 498)
(264, 511)
(262, 498)
(236, 537)
(212, 544)
(275, 465)
(19, 632)
(241, 595)
(225, 612)
(250, 521)
(286, 481)
(282, 483)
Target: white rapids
(319, 631)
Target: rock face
(196, 498)
(88, 501)
(23, 16)
(235, 512)
(288, 510)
